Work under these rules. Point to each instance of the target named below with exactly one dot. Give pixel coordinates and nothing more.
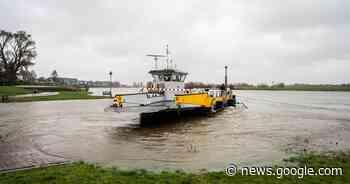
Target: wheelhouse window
(174, 76)
(167, 77)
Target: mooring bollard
(234, 100)
(4, 98)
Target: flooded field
(276, 124)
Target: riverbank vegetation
(88, 173)
(295, 87)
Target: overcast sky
(302, 41)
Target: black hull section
(153, 118)
(168, 115)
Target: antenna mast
(167, 57)
(155, 57)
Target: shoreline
(78, 172)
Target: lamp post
(110, 77)
(225, 77)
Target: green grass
(63, 95)
(13, 90)
(87, 173)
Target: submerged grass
(89, 173)
(63, 95)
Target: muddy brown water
(275, 125)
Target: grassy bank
(87, 173)
(13, 90)
(63, 95)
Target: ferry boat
(167, 94)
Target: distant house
(83, 83)
(68, 81)
(90, 83)
(102, 83)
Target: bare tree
(17, 50)
(54, 76)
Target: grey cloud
(261, 41)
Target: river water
(275, 125)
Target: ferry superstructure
(167, 92)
